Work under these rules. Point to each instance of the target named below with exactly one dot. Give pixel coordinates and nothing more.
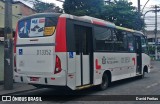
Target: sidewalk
(17, 87)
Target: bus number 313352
(43, 52)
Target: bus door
(139, 55)
(84, 55)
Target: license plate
(34, 78)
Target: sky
(150, 16)
(55, 2)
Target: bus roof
(100, 22)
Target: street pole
(144, 15)
(144, 18)
(145, 5)
(139, 14)
(139, 7)
(156, 32)
(8, 47)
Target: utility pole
(145, 5)
(139, 7)
(8, 47)
(139, 14)
(156, 7)
(156, 31)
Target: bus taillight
(58, 68)
(15, 42)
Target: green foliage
(83, 7)
(151, 49)
(122, 13)
(41, 7)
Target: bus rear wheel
(143, 74)
(105, 82)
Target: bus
(62, 50)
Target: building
(19, 10)
(151, 42)
(151, 37)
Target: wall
(15, 12)
(25, 11)
(1, 15)
(18, 10)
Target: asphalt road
(150, 85)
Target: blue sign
(70, 54)
(20, 51)
(24, 28)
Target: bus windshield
(37, 27)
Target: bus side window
(131, 41)
(77, 39)
(144, 45)
(103, 38)
(120, 40)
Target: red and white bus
(76, 52)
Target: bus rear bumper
(59, 81)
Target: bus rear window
(37, 27)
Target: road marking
(152, 85)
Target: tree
(122, 13)
(42, 7)
(83, 7)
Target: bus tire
(143, 74)
(145, 70)
(105, 82)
